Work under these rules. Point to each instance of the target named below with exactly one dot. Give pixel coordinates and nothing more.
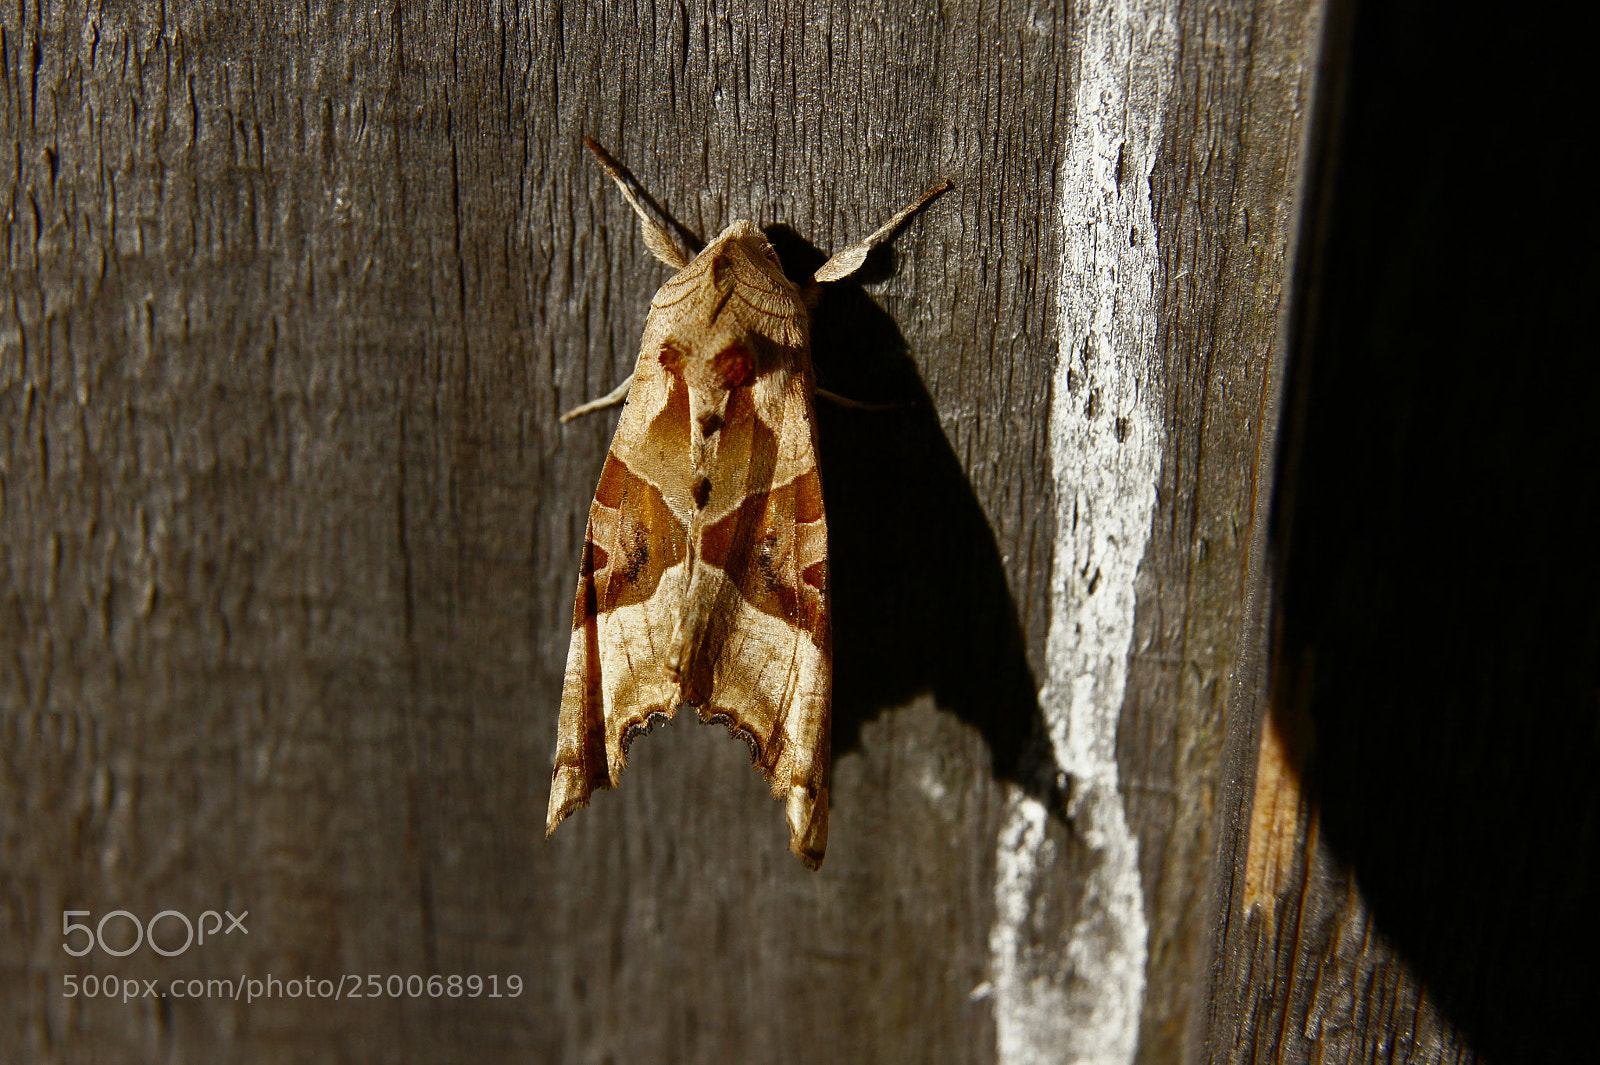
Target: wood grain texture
(295, 295)
(1416, 881)
(1226, 209)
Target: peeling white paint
(1074, 994)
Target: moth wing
(766, 654)
(630, 582)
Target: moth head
(729, 317)
(742, 243)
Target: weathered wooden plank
(295, 295)
(1414, 862)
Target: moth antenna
(610, 399)
(852, 404)
(656, 237)
(851, 259)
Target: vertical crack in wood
(1069, 984)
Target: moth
(704, 580)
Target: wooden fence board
(295, 294)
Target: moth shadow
(920, 599)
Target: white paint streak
(1074, 994)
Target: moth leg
(610, 399)
(853, 404)
(851, 259)
(656, 237)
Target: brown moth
(705, 571)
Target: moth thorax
(731, 365)
(710, 373)
(717, 364)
